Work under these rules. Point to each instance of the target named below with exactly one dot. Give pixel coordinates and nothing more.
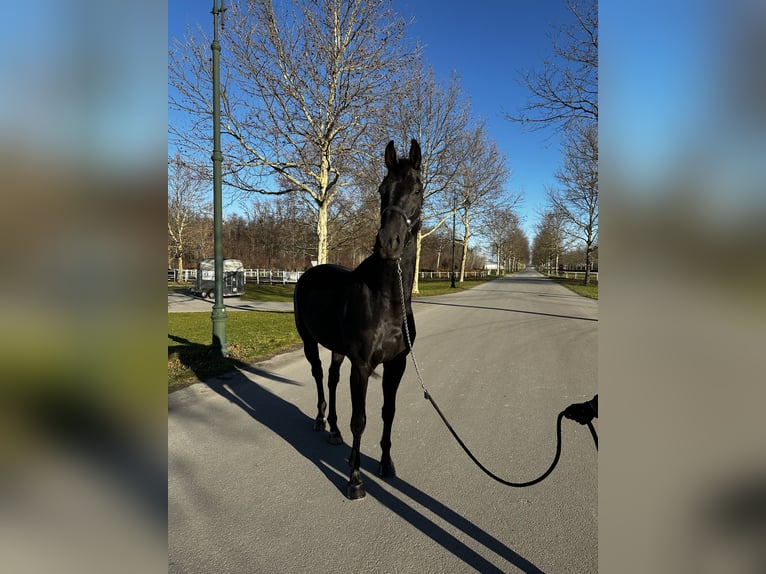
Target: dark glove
(582, 413)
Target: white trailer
(233, 278)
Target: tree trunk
(418, 245)
(322, 246)
(323, 199)
(465, 254)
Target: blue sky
(488, 42)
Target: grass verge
(266, 292)
(253, 336)
(576, 285)
(253, 291)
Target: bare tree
(482, 173)
(506, 239)
(301, 83)
(577, 199)
(354, 222)
(565, 91)
(437, 115)
(279, 234)
(516, 249)
(435, 249)
(548, 244)
(186, 203)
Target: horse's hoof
(320, 424)
(335, 438)
(386, 470)
(355, 491)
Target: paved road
(253, 489)
(185, 302)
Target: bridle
(398, 210)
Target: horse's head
(401, 198)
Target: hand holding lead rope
(582, 413)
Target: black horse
(359, 314)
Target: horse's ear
(391, 159)
(415, 154)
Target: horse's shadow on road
(294, 426)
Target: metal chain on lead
(407, 329)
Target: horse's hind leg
(311, 350)
(392, 376)
(333, 376)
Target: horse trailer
(233, 278)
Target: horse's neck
(407, 264)
(388, 279)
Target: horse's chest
(388, 344)
(380, 340)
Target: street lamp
(218, 315)
(454, 211)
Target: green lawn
(576, 285)
(266, 292)
(253, 291)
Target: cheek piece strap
(401, 212)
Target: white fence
(256, 276)
(271, 276)
(448, 274)
(575, 274)
(283, 277)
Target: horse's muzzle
(394, 234)
(390, 247)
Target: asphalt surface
(186, 302)
(251, 488)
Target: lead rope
(449, 426)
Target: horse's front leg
(333, 376)
(359, 378)
(392, 376)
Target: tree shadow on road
(294, 426)
(415, 301)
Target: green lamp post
(454, 211)
(219, 311)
